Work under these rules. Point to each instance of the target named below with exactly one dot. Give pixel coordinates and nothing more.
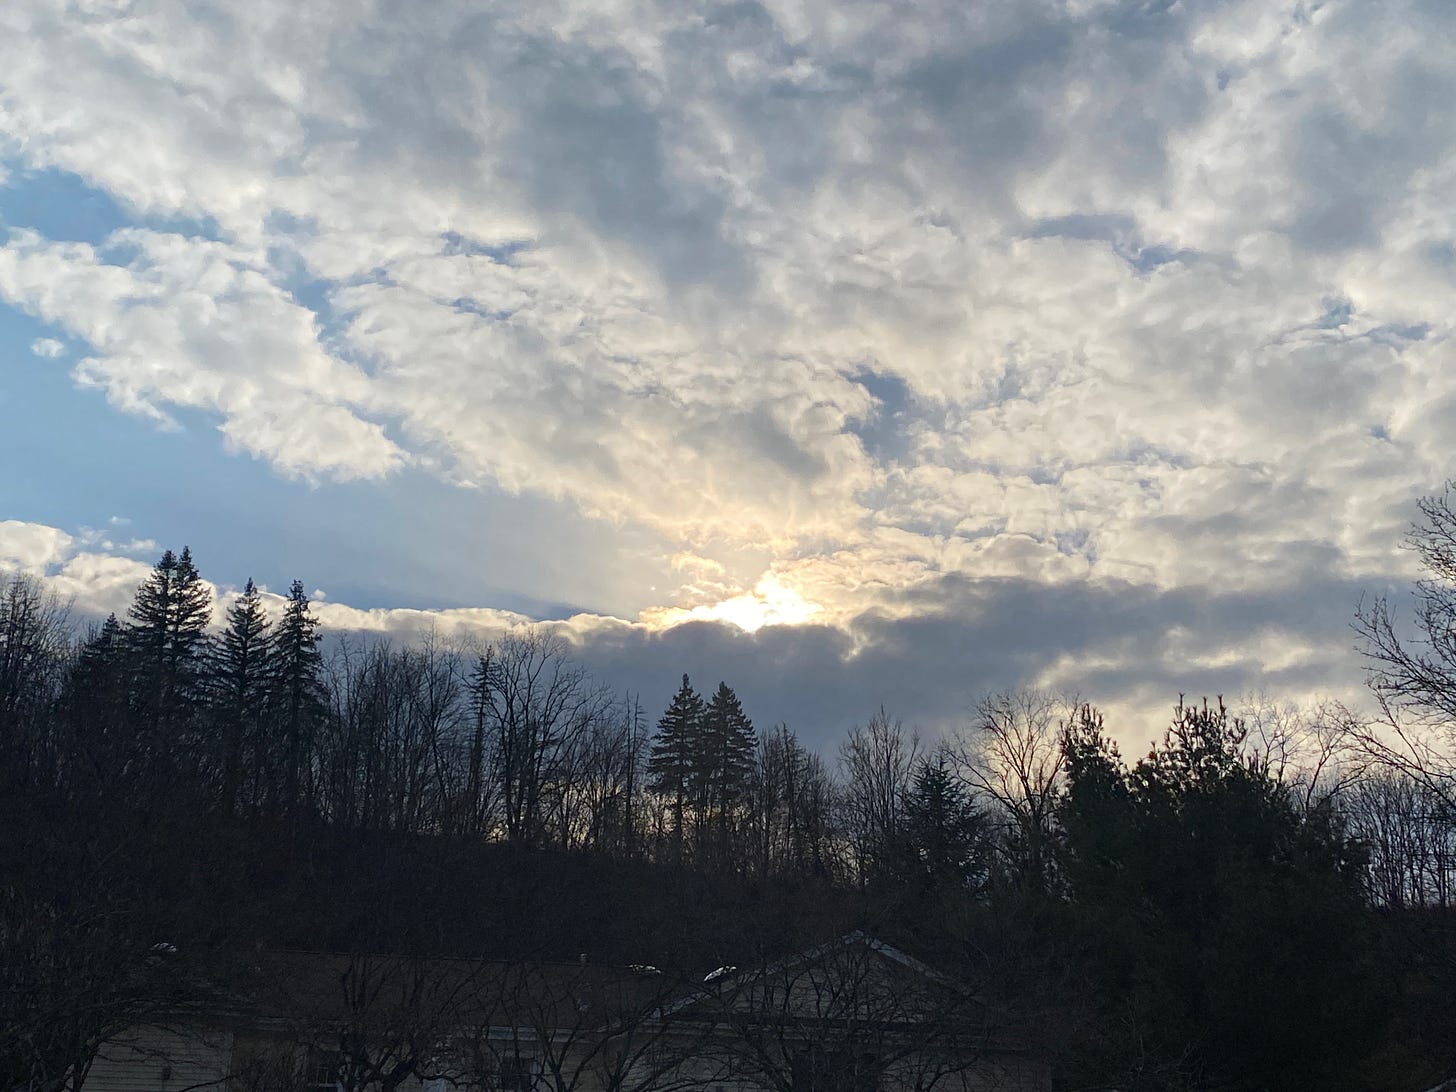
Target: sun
(770, 603)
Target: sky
(856, 353)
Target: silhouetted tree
(241, 673)
(723, 762)
(794, 798)
(1410, 838)
(97, 745)
(878, 761)
(943, 842)
(1012, 756)
(671, 764)
(297, 701)
(33, 652)
(480, 794)
(168, 652)
(543, 708)
(1230, 923)
(609, 788)
(1413, 677)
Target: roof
(855, 979)
(330, 988)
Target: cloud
(928, 654)
(861, 303)
(31, 546)
(47, 348)
(175, 322)
(98, 584)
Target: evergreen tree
(1227, 923)
(482, 684)
(945, 841)
(297, 700)
(240, 690)
(168, 645)
(94, 712)
(723, 764)
(674, 756)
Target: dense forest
(1261, 901)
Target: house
(853, 1015)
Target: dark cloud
(1130, 648)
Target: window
(321, 1071)
(515, 1074)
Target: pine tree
(297, 700)
(240, 689)
(671, 764)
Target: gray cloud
(938, 315)
(1130, 649)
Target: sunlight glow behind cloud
(770, 603)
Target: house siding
(163, 1059)
(199, 1059)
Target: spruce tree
(673, 760)
(297, 700)
(945, 837)
(168, 645)
(240, 689)
(723, 764)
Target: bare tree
(576, 1027)
(1306, 748)
(792, 805)
(542, 707)
(1012, 755)
(81, 962)
(876, 761)
(609, 789)
(34, 640)
(1412, 670)
(1409, 836)
(392, 756)
(365, 1021)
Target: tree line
(512, 741)
(1171, 922)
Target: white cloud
(178, 322)
(31, 546)
(47, 348)
(98, 584)
(1068, 293)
